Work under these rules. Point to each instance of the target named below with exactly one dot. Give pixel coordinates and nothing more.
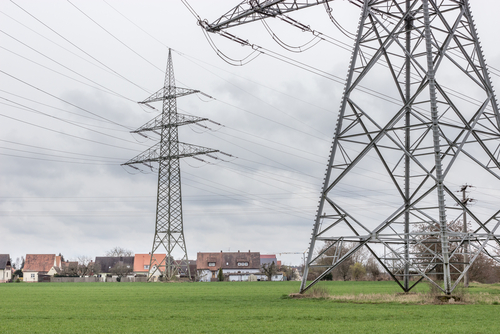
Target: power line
(116, 38)
(64, 110)
(23, 107)
(60, 151)
(106, 90)
(67, 134)
(71, 104)
(76, 46)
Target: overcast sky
(71, 74)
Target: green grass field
(238, 307)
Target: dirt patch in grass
(460, 298)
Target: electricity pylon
(169, 229)
(394, 161)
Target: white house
(5, 268)
(37, 265)
(238, 266)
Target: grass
(237, 307)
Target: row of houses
(236, 266)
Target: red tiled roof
(39, 262)
(142, 260)
(267, 256)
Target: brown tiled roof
(67, 264)
(228, 260)
(39, 262)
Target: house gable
(5, 268)
(5, 262)
(143, 261)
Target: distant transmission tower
(169, 230)
(395, 160)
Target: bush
(358, 271)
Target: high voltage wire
(60, 151)
(212, 186)
(58, 63)
(76, 46)
(189, 57)
(62, 47)
(116, 38)
(23, 107)
(58, 156)
(87, 15)
(60, 109)
(65, 161)
(67, 134)
(60, 99)
(106, 90)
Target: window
(211, 264)
(242, 264)
(146, 266)
(32, 275)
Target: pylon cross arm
(157, 122)
(170, 92)
(254, 10)
(153, 154)
(188, 150)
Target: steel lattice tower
(396, 161)
(169, 230)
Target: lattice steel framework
(396, 162)
(169, 229)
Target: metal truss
(396, 163)
(157, 122)
(254, 10)
(169, 230)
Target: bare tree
(484, 269)
(333, 252)
(269, 269)
(86, 267)
(70, 270)
(373, 268)
(287, 272)
(118, 251)
(94, 268)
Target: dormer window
(211, 264)
(242, 264)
